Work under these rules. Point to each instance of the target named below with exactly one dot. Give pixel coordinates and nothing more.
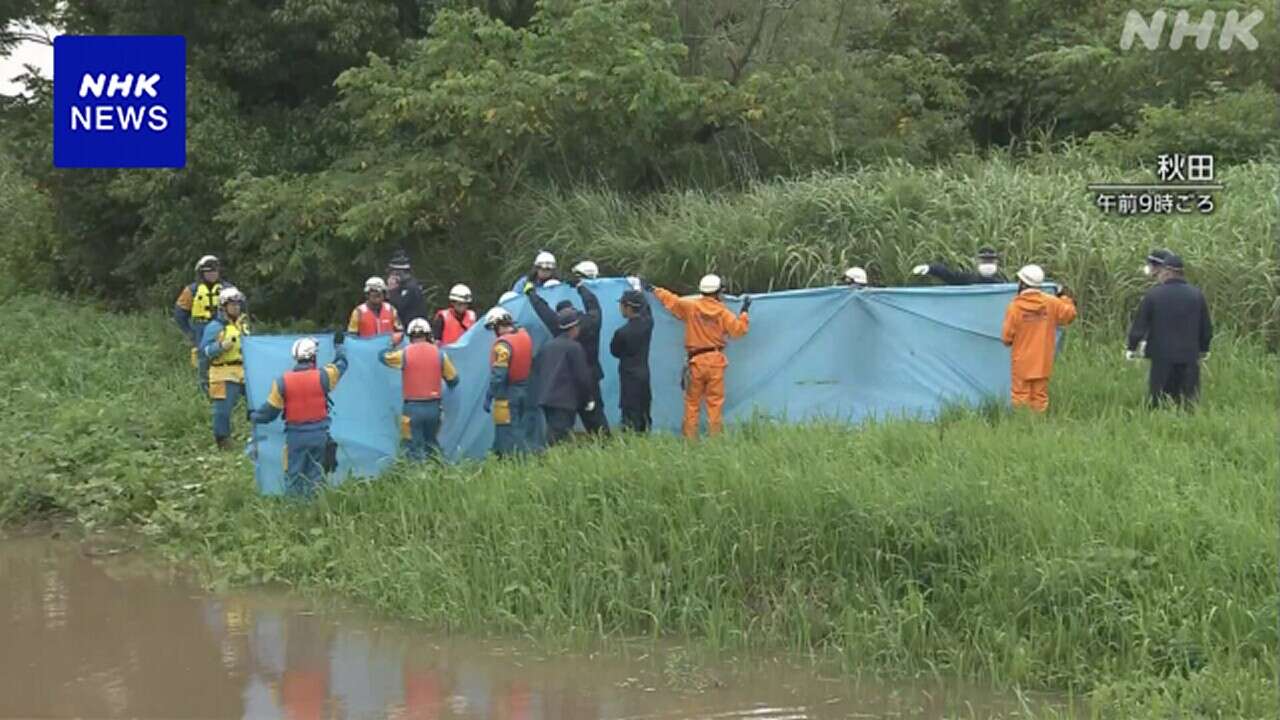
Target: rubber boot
(224, 443)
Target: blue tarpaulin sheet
(819, 354)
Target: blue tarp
(827, 353)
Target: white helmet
(230, 294)
(418, 326)
(375, 283)
(545, 260)
(587, 269)
(709, 284)
(855, 276)
(460, 293)
(551, 283)
(1031, 275)
(208, 262)
(497, 316)
(508, 295)
(305, 349)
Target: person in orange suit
(1030, 329)
(708, 325)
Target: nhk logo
(119, 101)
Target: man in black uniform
(565, 383)
(630, 344)
(1173, 321)
(588, 337)
(403, 291)
(988, 265)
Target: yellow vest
(229, 366)
(204, 301)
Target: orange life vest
(421, 371)
(521, 354)
(304, 397)
(382, 322)
(454, 328)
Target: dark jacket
(960, 277)
(1174, 320)
(409, 301)
(588, 324)
(630, 345)
(563, 378)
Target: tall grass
(803, 232)
(1105, 548)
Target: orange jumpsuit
(1030, 329)
(708, 325)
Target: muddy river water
(82, 635)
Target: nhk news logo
(119, 101)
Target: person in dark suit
(404, 292)
(564, 381)
(988, 266)
(1174, 325)
(630, 344)
(589, 324)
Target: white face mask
(986, 269)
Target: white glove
(634, 282)
(591, 405)
(1130, 355)
(920, 270)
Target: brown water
(93, 637)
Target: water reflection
(94, 638)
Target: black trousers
(559, 424)
(1179, 382)
(636, 419)
(594, 421)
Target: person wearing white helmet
(302, 395)
(375, 316)
(708, 325)
(854, 277)
(1030, 331)
(220, 348)
(424, 370)
(506, 398)
(587, 335)
(543, 270)
(988, 267)
(453, 322)
(404, 292)
(508, 295)
(195, 307)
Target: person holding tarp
(566, 385)
(988, 266)
(630, 344)
(1174, 324)
(510, 363)
(424, 368)
(220, 348)
(855, 278)
(375, 316)
(1030, 330)
(708, 325)
(195, 308)
(588, 336)
(302, 394)
(542, 273)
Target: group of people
(1172, 328)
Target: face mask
(986, 269)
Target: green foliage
(1105, 548)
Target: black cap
(633, 299)
(1173, 262)
(399, 260)
(987, 253)
(563, 304)
(568, 318)
(1158, 257)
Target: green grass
(1104, 549)
(801, 233)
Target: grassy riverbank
(1107, 549)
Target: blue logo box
(119, 101)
